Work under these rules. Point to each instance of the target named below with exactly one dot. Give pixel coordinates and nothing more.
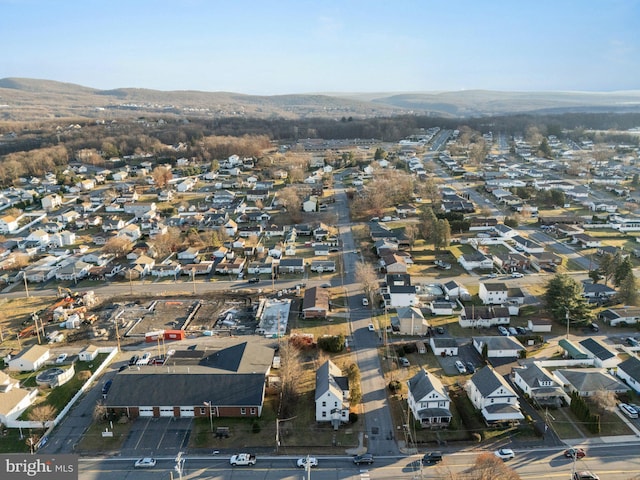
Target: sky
(269, 47)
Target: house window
(252, 411)
(324, 414)
(335, 404)
(202, 411)
(324, 404)
(243, 411)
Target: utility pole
(117, 335)
(26, 287)
(193, 279)
(567, 317)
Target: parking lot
(157, 436)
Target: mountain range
(23, 99)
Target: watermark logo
(49, 467)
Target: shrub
(395, 386)
(333, 344)
(255, 427)
(353, 417)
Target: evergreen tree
(564, 297)
(628, 292)
(622, 271)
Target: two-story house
(332, 395)
(539, 385)
(429, 400)
(490, 393)
(493, 293)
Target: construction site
(84, 317)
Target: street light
(209, 404)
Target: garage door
(146, 411)
(186, 412)
(166, 411)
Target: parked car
(371, 328)
(504, 453)
(404, 361)
(440, 330)
(254, 280)
(492, 275)
(106, 386)
(585, 475)
(503, 331)
(512, 331)
(628, 410)
(302, 462)
(365, 302)
(367, 459)
(521, 330)
(632, 342)
(460, 366)
(145, 463)
(575, 452)
(471, 368)
(517, 275)
(133, 360)
(432, 458)
(61, 358)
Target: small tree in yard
(42, 413)
(353, 372)
(628, 291)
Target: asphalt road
(611, 462)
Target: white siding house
(332, 395)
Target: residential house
(526, 245)
(443, 345)
(511, 262)
(586, 241)
(629, 372)
(230, 267)
(409, 321)
(291, 265)
(131, 232)
(13, 399)
(471, 261)
(428, 400)
(162, 270)
(545, 260)
(332, 395)
(620, 316)
(29, 359)
(190, 254)
(186, 185)
(539, 325)
(51, 202)
(454, 290)
(597, 290)
(112, 224)
(323, 266)
(441, 307)
(201, 268)
(495, 293)
(73, 271)
(315, 303)
(473, 316)
(498, 346)
(490, 393)
(603, 356)
(88, 353)
(588, 381)
(8, 224)
(143, 265)
(540, 385)
(505, 231)
(394, 263)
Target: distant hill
(24, 99)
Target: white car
(517, 275)
(505, 453)
(302, 462)
(503, 331)
(145, 463)
(61, 358)
(460, 366)
(371, 327)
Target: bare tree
(161, 176)
(366, 275)
(605, 400)
(486, 467)
(290, 373)
(99, 412)
(290, 199)
(42, 413)
(118, 246)
(411, 232)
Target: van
(594, 327)
(365, 302)
(628, 410)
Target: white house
(629, 372)
(603, 356)
(30, 359)
(13, 399)
(471, 261)
(539, 385)
(618, 316)
(332, 395)
(8, 224)
(490, 393)
(131, 232)
(454, 290)
(485, 317)
(498, 346)
(495, 293)
(185, 185)
(588, 381)
(409, 321)
(429, 400)
(443, 345)
(88, 353)
(51, 202)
